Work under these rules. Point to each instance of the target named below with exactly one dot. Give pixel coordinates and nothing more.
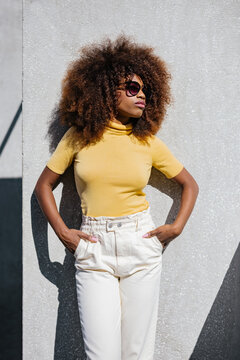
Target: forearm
(188, 199)
(48, 205)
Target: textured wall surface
(11, 180)
(11, 90)
(199, 302)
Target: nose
(141, 94)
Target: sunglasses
(133, 87)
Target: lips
(140, 104)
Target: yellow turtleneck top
(111, 174)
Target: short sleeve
(63, 155)
(163, 159)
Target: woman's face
(127, 105)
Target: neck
(120, 120)
(118, 128)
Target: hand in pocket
(72, 238)
(165, 234)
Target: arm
(190, 189)
(44, 194)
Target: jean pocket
(79, 247)
(152, 243)
(154, 238)
(157, 241)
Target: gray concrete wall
(11, 180)
(199, 301)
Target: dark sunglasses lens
(133, 88)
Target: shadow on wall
(55, 130)
(68, 341)
(170, 188)
(220, 335)
(11, 268)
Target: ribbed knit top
(110, 175)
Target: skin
(165, 233)
(126, 104)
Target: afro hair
(88, 95)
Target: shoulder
(156, 143)
(71, 138)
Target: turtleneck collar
(119, 129)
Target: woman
(114, 99)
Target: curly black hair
(88, 96)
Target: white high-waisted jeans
(118, 283)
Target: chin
(137, 115)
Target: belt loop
(137, 224)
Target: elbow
(193, 185)
(45, 182)
(195, 188)
(37, 189)
(41, 186)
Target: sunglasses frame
(127, 89)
